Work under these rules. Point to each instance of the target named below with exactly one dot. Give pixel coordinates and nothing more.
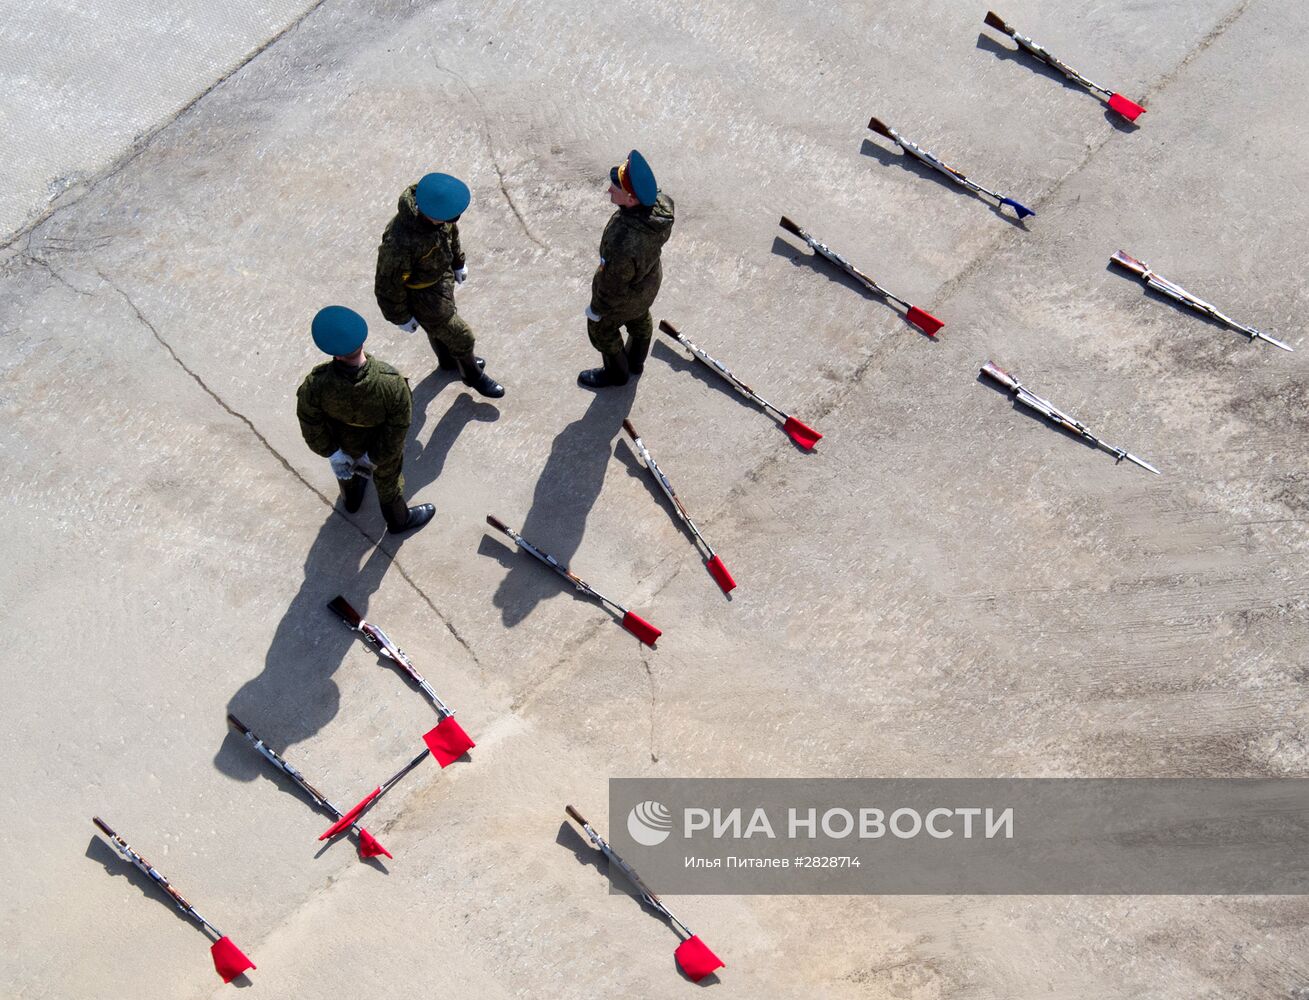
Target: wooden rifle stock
(1001, 376)
(1129, 263)
(877, 126)
(342, 608)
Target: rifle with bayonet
(1179, 294)
(1047, 409)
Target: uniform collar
(349, 372)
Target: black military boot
(400, 516)
(471, 372)
(352, 490)
(614, 372)
(446, 361)
(636, 355)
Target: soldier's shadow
(424, 464)
(294, 696)
(565, 492)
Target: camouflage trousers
(442, 324)
(606, 336)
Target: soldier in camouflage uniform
(627, 280)
(354, 411)
(418, 265)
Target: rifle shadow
(588, 857)
(702, 374)
(282, 783)
(921, 169)
(821, 265)
(565, 492)
(116, 865)
(1025, 58)
(628, 457)
(1155, 295)
(1032, 414)
(625, 452)
(294, 696)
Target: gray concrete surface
(86, 84)
(945, 588)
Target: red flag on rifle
(448, 741)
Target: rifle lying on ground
(369, 846)
(1174, 291)
(1052, 413)
(228, 958)
(916, 151)
(693, 955)
(631, 621)
(348, 819)
(802, 434)
(448, 741)
(1117, 102)
(920, 318)
(713, 563)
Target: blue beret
(339, 331)
(442, 197)
(643, 179)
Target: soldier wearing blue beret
(355, 411)
(419, 263)
(628, 278)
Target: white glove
(461, 275)
(343, 466)
(409, 326)
(592, 315)
(364, 466)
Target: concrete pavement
(946, 587)
(89, 85)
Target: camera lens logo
(650, 823)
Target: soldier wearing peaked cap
(355, 411)
(628, 278)
(419, 262)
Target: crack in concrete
(144, 141)
(268, 446)
(546, 674)
(488, 138)
(46, 266)
(649, 673)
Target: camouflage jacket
(627, 280)
(414, 255)
(365, 409)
